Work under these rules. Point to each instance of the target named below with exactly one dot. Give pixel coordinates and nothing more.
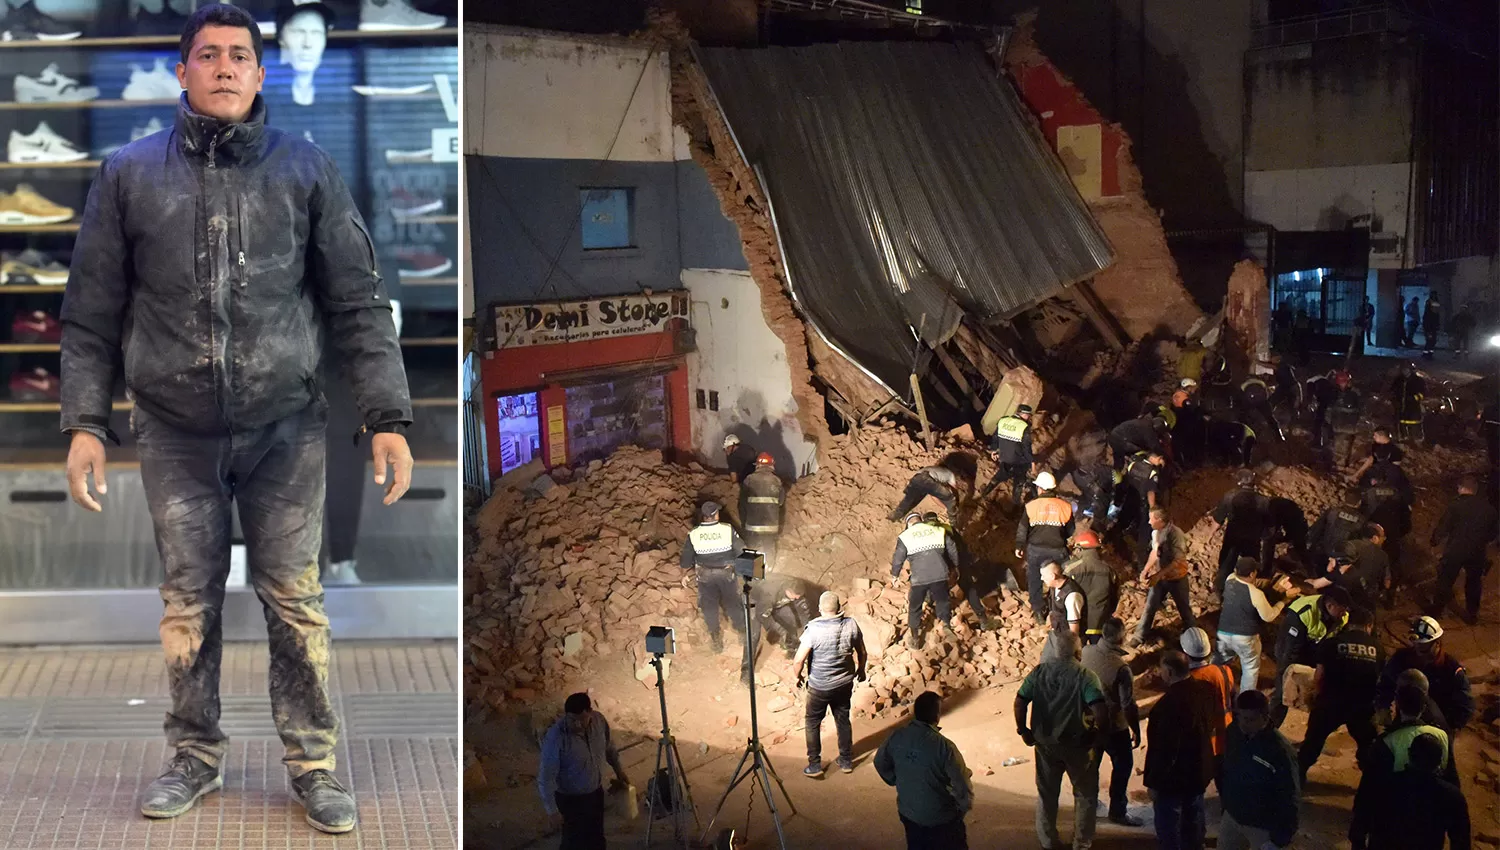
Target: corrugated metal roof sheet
(907, 181)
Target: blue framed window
(607, 218)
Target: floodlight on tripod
(667, 791)
(750, 565)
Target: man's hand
(859, 675)
(1026, 737)
(1135, 739)
(390, 449)
(689, 580)
(86, 456)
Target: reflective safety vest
(713, 544)
(1399, 740)
(923, 537)
(1310, 617)
(1011, 428)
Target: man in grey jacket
(933, 791)
(212, 262)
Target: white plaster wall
(1326, 198)
(739, 357)
(1476, 280)
(530, 94)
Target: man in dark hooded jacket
(212, 263)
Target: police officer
(932, 552)
(1145, 478)
(1041, 536)
(1012, 449)
(1383, 504)
(1137, 436)
(1349, 666)
(1230, 440)
(1466, 530)
(968, 579)
(761, 500)
(1255, 398)
(709, 552)
(1362, 569)
(1244, 514)
(1101, 587)
(1334, 528)
(1305, 624)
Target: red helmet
(1342, 379)
(1086, 540)
(764, 459)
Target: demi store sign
(577, 321)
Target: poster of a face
(302, 32)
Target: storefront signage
(577, 321)
(557, 436)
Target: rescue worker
(1408, 390)
(1200, 653)
(1067, 606)
(932, 553)
(1042, 535)
(1229, 440)
(1255, 398)
(1344, 414)
(1287, 524)
(1415, 809)
(783, 607)
(1334, 528)
(1307, 622)
(1166, 574)
(709, 552)
(1145, 478)
(1465, 530)
(968, 580)
(1319, 393)
(1136, 436)
(1384, 453)
(1101, 589)
(1106, 659)
(1390, 753)
(1187, 429)
(1012, 449)
(1349, 666)
(761, 499)
(1383, 505)
(1447, 682)
(739, 456)
(1244, 514)
(936, 481)
(1097, 498)
(1244, 611)
(1362, 569)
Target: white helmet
(1045, 481)
(731, 440)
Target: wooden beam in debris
(1088, 303)
(958, 377)
(916, 392)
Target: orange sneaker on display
(26, 206)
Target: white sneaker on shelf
(51, 86)
(150, 128)
(395, 156)
(156, 84)
(390, 91)
(387, 15)
(42, 145)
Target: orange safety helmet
(1086, 540)
(764, 459)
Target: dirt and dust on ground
(565, 574)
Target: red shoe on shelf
(36, 327)
(35, 385)
(414, 263)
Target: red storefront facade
(567, 382)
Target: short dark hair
(1469, 482)
(1112, 629)
(1410, 700)
(926, 706)
(1425, 753)
(1337, 596)
(1253, 701)
(578, 703)
(220, 15)
(1246, 566)
(1176, 661)
(1360, 617)
(1352, 498)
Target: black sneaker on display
(187, 779)
(330, 808)
(26, 23)
(165, 22)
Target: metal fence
(475, 454)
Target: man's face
(1251, 722)
(222, 75)
(1158, 522)
(302, 41)
(1426, 650)
(1382, 437)
(1336, 611)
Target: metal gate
(475, 454)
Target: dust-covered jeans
(1247, 649)
(276, 475)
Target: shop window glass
(606, 218)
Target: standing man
(761, 500)
(1344, 414)
(1180, 754)
(1012, 449)
(1101, 588)
(1362, 569)
(1306, 623)
(1145, 477)
(1460, 329)
(1259, 784)
(836, 651)
(933, 791)
(1432, 320)
(1245, 611)
(1166, 574)
(709, 552)
(1365, 324)
(1334, 528)
(1106, 659)
(932, 553)
(221, 356)
(1385, 505)
(1245, 516)
(1415, 809)
(1042, 536)
(1465, 531)
(1348, 669)
(1067, 606)
(1200, 654)
(1061, 691)
(1447, 681)
(571, 777)
(1408, 390)
(1413, 320)
(938, 482)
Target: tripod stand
(676, 795)
(759, 764)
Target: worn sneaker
(32, 267)
(35, 327)
(813, 770)
(156, 84)
(42, 145)
(913, 640)
(33, 386)
(845, 765)
(329, 807)
(51, 86)
(387, 15)
(26, 206)
(340, 572)
(1126, 820)
(413, 263)
(187, 779)
(716, 642)
(26, 23)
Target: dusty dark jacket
(1259, 782)
(1180, 739)
(211, 263)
